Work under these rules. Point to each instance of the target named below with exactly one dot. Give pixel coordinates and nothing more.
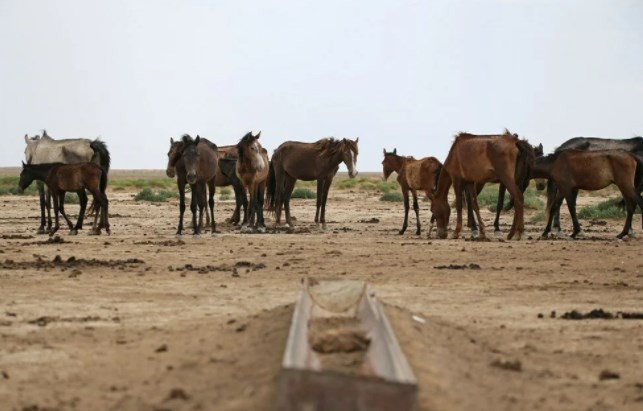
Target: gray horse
(44, 149)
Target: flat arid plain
(142, 320)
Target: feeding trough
(342, 353)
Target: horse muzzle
(191, 178)
(442, 233)
(170, 172)
(352, 174)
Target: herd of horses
(262, 183)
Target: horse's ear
(357, 140)
(197, 139)
(395, 151)
(23, 164)
(171, 140)
(384, 150)
(257, 136)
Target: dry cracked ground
(142, 320)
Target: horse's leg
(61, 207)
(499, 206)
(43, 204)
(194, 198)
(571, 205)
(318, 202)
(261, 224)
(82, 196)
(239, 199)
(405, 195)
(246, 227)
(457, 187)
(57, 225)
(48, 201)
(327, 183)
(105, 212)
(476, 209)
(200, 202)
(416, 208)
(518, 225)
(207, 214)
(471, 219)
(289, 186)
(181, 186)
(212, 189)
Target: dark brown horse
(475, 160)
(632, 145)
(225, 176)
(252, 169)
(61, 178)
(413, 175)
(195, 162)
(294, 160)
(571, 170)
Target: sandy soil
(143, 321)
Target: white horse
(42, 150)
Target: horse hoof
(245, 229)
(42, 230)
(196, 236)
(475, 233)
(73, 232)
(261, 230)
(213, 234)
(400, 232)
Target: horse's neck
(444, 184)
(542, 168)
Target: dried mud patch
(71, 262)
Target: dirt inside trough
(144, 321)
(339, 343)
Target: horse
(474, 160)
(195, 162)
(252, 169)
(78, 177)
(569, 170)
(294, 160)
(45, 149)
(225, 175)
(632, 145)
(412, 175)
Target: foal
(79, 177)
(412, 175)
(571, 170)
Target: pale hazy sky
(398, 73)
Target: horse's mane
(328, 147)
(42, 166)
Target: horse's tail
(103, 180)
(101, 153)
(271, 189)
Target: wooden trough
(342, 353)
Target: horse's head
(191, 156)
(350, 151)
(27, 176)
(30, 149)
(390, 163)
(250, 151)
(441, 211)
(176, 147)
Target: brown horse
(61, 178)
(571, 170)
(319, 161)
(412, 175)
(225, 175)
(194, 162)
(475, 160)
(252, 170)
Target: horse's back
(63, 151)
